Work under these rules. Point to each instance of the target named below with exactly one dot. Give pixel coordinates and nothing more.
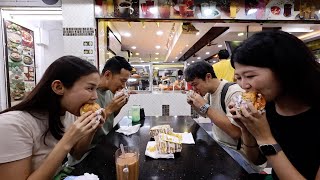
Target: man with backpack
(219, 93)
(210, 99)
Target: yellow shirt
(224, 70)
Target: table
(203, 160)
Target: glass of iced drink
(127, 163)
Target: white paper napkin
(187, 138)
(99, 116)
(155, 154)
(128, 130)
(86, 176)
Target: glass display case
(140, 79)
(168, 77)
(149, 77)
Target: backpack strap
(223, 95)
(223, 104)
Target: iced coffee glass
(127, 164)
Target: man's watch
(269, 149)
(203, 109)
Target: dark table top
(203, 160)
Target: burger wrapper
(151, 151)
(122, 92)
(239, 101)
(99, 116)
(167, 144)
(154, 131)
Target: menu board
(209, 9)
(20, 61)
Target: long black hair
(288, 57)
(42, 99)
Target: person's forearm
(51, 164)
(251, 149)
(280, 163)
(283, 167)
(223, 122)
(82, 146)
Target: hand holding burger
(94, 107)
(257, 100)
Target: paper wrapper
(187, 138)
(240, 100)
(155, 130)
(190, 93)
(151, 151)
(167, 143)
(121, 92)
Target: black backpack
(223, 103)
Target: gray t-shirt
(104, 98)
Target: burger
(94, 107)
(255, 98)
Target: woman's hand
(254, 121)
(84, 125)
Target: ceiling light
(156, 58)
(127, 34)
(188, 64)
(187, 45)
(141, 61)
(157, 53)
(176, 57)
(207, 52)
(133, 47)
(197, 33)
(137, 54)
(214, 61)
(192, 61)
(180, 52)
(173, 61)
(156, 62)
(240, 34)
(219, 45)
(156, 68)
(158, 47)
(159, 33)
(198, 57)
